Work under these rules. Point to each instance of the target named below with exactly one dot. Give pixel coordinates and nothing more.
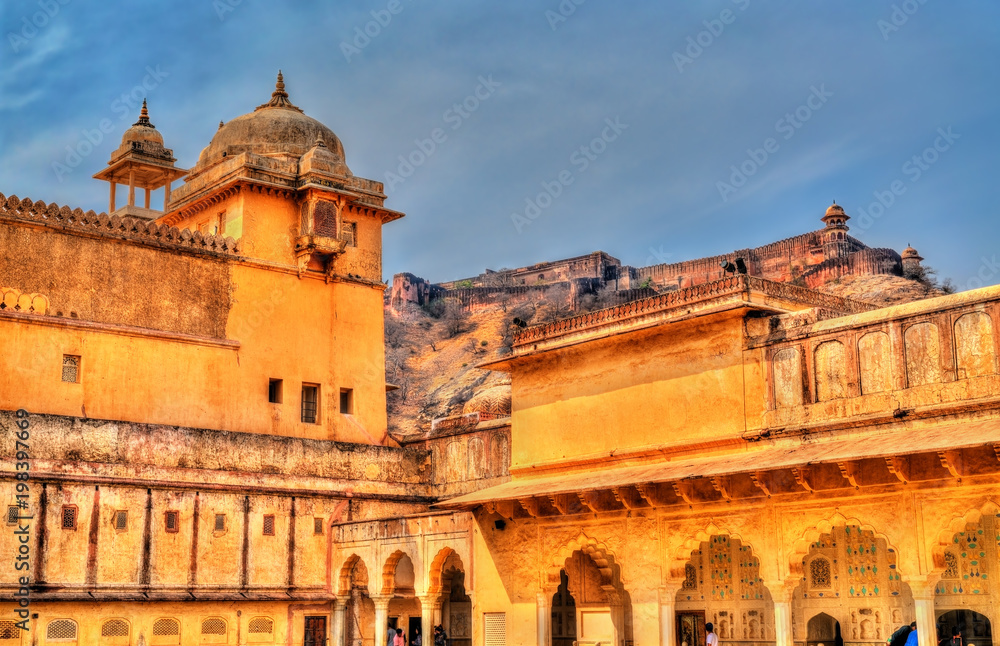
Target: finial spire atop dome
(279, 98)
(144, 117)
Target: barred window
(213, 626)
(220, 522)
(12, 515)
(68, 517)
(166, 626)
(310, 403)
(61, 629)
(9, 630)
(171, 521)
(71, 368)
(318, 525)
(115, 628)
(120, 519)
(349, 233)
(269, 525)
(261, 626)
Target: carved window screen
(162, 627)
(269, 525)
(819, 573)
(495, 624)
(61, 629)
(68, 517)
(171, 521)
(71, 368)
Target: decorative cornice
(731, 286)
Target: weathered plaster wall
(107, 281)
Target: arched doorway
(722, 586)
(563, 613)
(852, 588)
(398, 579)
(968, 595)
(823, 630)
(973, 628)
(454, 613)
(359, 624)
(602, 609)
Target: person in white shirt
(711, 639)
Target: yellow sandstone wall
(667, 386)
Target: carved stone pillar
(782, 596)
(430, 609)
(339, 622)
(543, 604)
(381, 619)
(668, 615)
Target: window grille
(310, 397)
(318, 525)
(9, 630)
(71, 368)
(268, 525)
(690, 578)
(325, 219)
(951, 566)
(172, 521)
(121, 519)
(819, 573)
(115, 628)
(64, 629)
(349, 233)
(213, 626)
(496, 628)
(261, 626)
(69, 517)
(12, 515)
(220, 522)
(166, 627)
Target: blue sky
(839, 96)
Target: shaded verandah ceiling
(876, 458)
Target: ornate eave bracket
(320, 248)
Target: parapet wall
(117, 270)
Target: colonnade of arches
(844, 586)
(372, 602)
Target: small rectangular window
(269, 525)
(274, 391)
(12, 515)
(347, 401)
(310, 403)
(317, 526)
(71, 368)
(120, 520)
(349, 233)
(220, 522)
(68, 517)
(171, 521)
(220, 228)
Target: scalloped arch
(437, 569)
(599, 553)
(803, 545)
(347, 572)
(683, 553)
(988, 505)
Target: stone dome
(142, 130)
(910, 252)
(274, 128)
(835, 209)
(494, 402)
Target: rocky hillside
(431, 352)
